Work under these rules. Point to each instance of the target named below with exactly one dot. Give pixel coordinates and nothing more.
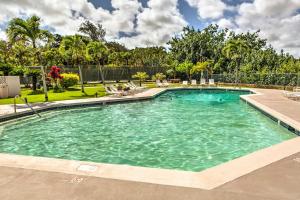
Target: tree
(142, 76)
(95, 32)
(97, 51)
(200, 67)
(27, 30)
(73, 49)
(236, 50)
(185, 67)
(158, 76)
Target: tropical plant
(97, 52)
(55, 76)
(5, 69)
(69, 80)
(73, 49)
(95, 32)
(186, 68)
(200, 67)
(28, 30)
(142, 76)
(236, 50)
(158, 76)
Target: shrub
(158, 76)
(69, 80)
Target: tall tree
(28, 30)
(73, 48)
(95, 32)
(97, 51)
(236, 49)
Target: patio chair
(296, 89)
(110, 91)
(292, 95)
(135, 86)
(202, 82)
(159, 84)
(184, 82)
(211, 82)
(165, 83)
(194, 82)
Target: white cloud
(156, 24)
(277, 20)
(153, 25)
(213, 9)
(225, 23)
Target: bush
(158, 76)
(69, 80)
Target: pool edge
(208, 179)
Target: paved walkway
(278, 181)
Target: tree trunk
(101, 73)
(34, 82)
(81, 78)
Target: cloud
(213, 9)
(156, 24)
(153, 25)
(278, 22)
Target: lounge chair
(211, 82)
(159, 84)
(292, 95)
(194, 82)
(184, 82)
(202, 82)
(135, 86)
(165, 83)
(296, 89)
(110, 91)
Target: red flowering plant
(55, 76)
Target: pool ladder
(26, 102)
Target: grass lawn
(71, 93)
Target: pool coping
(207, 179)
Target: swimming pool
(185, 129)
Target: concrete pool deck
(227, 181)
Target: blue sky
(140, 23)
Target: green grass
(72, 93)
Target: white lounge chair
(202, 82)
(211, 82)
(194, 82)
(292, 95)
(296, 89)
(159, 84)
(135, 86)
(165, 83)
(110, 91)
(184, 82)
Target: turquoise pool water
(186, 129)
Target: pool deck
(272, 173)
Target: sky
(140, 23)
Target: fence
(260, 79)
(92, 74)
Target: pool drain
(87, 168)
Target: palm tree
(200, 67)
(236, 49)
(27, 30)
(74, 49)
(142, 76)
(97, 51)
